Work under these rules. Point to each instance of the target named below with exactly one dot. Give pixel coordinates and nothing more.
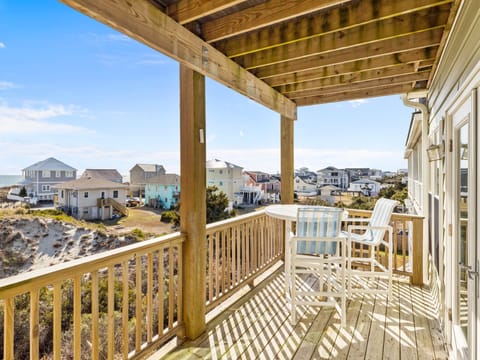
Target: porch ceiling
(310, 51)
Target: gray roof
(220, 164)
(167, 179)
(102, 174)
(50, 164)
(149, 167)
(90, 183)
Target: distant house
(140, 173)
(266, 182)
(304, 184)
(40, 178)
(90, 198)
(226, 176)
(106, 174)
(332, 176)
(162, 191)
(366, 186)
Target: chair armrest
(368, 227)
(356, 220)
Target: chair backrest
(315, 223)
(382, 212)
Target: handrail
(98, 291)
(239, 250)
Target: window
(166, 187)
(45, 187)
(45, 173)
(58, 173)
(85, 194)
(115, 194)
(220, 171)
(68, 174)
(220, 183)
(62, 194)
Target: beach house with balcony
(40, 178)
(91, 198)
(332, 176)
(140, 173)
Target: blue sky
(91, 97)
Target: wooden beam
(261, 15)
(331, 20)
(368, 84)
(354, 95)
(193, 199)
(368, 64)
(146, 23)
(287, 159)
(185, 11)
(351, 79)
(421, 40)
(366, 34)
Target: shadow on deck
(257, 326)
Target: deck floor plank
(257, 326)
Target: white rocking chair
(372, 236)
(318, 247)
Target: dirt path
(144, 218)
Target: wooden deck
(257, 327)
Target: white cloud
(2, 45)
(4, 85)
(37, 120)
(242, 133)
(358, 102)
(118, 37)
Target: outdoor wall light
(436, 151)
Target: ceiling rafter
(366, 34)
(379, 62)
(353, 95)
(368, 84)
(420, 40)
(185, 11)
(350, 78)
(306, 27)
(264, 14)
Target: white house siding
(453, 96)
(226, 176)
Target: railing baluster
(57, 321)
(110, 312)
(8, 330)
(149, 297)
(171, 299)
(138, 302)
(161, 291)
(77, 316)
(125, 303)
(95, 314)
(34, 324)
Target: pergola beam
(146, 23)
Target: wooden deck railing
(407, 244)
(238, 250)
(121, 303)
(116, 304)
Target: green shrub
(170, 217)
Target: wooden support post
(286, 167)
(193, 199)
(418, 249)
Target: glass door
(465, 272)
